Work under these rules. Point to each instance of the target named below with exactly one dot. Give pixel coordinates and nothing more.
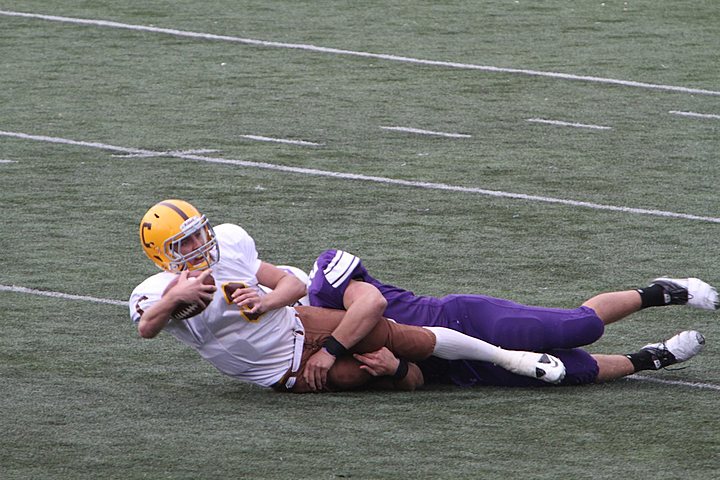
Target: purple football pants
(519, 327)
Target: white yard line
(706, 386)
(282, 140)
(8, 161)
(121, 303)
(427, 132)
(568, 124)
(696, 115)
(368, 178)
(380, 56)
(65, 296)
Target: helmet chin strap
(206, 262)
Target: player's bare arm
(286, 290)
(364, 305)
(188, 290)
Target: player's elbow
(366, 296)
(378, 303)
(145, 330)
(298, 286)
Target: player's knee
(593, 328)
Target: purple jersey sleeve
(331, 276)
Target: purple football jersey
(331, 276)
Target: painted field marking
(121, 303)
(706, 386)
(380, 56)
(568, 124)
(8, 161)
(65, 296)
(427, 132)
(369, 178)
(696, 115)
(282, 140)
(169, 153)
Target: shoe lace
(663, 353)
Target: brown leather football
(186, 310)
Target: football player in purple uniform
(339, 280)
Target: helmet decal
(145, 225)
(175, 208)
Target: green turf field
(100, 121)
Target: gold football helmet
(176, 236)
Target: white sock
(453, 345)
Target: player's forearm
(288, 291)
(360, 318)
(155, 318)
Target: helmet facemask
(198, 231)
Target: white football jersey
(257, 350)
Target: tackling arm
(364, 305)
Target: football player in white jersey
(253, 335)
(247, 335)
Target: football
(186, 310)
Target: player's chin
(198, 263)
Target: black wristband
(401, 371)
(333, 347)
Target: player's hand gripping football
(193, 289)
(316, 369)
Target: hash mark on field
(282, 140)
(369, 178)
(380, 56)
(568, 124)
(8, 161)
(427, 132)
(696, 115)
(169, 153)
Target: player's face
(194, 247)
(192, 243)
